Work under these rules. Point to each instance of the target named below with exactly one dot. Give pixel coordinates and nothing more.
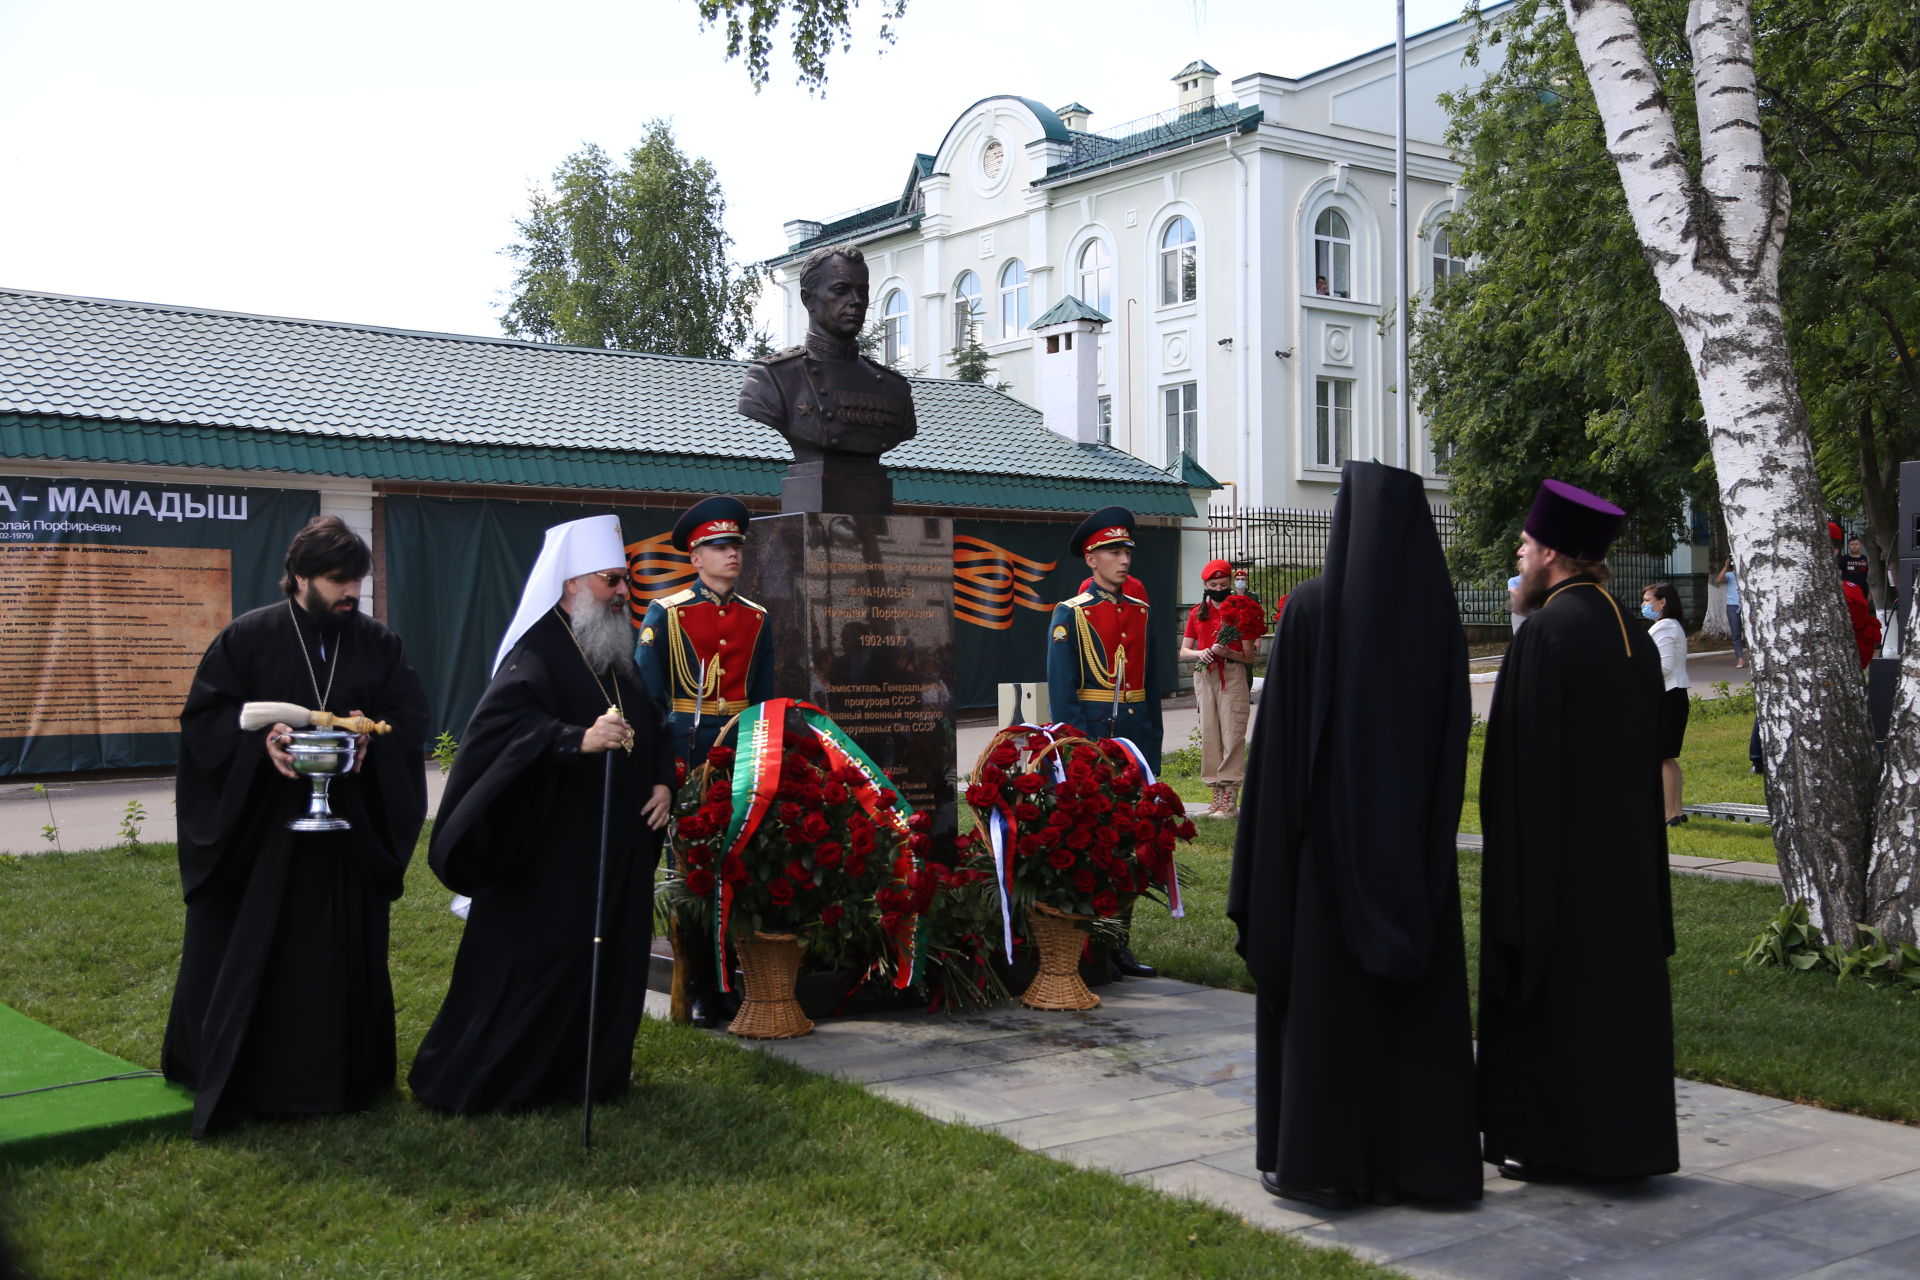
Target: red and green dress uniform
(1102, 676)
(704, 658)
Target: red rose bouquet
(958, 928)
(1079, 826)
(795, 831)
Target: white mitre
(571, 549)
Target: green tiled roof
(1067, 310)
(94, 380)
(1168, 131)
(1190, 473)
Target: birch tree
(1847, 832)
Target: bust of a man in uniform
(839, 410)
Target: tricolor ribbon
(1000, 837)
(1146, 780)
(760, 747)
(760, 751)
(843, 751)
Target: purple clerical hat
(1572, 521)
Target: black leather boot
(1122, 958)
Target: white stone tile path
(1156, 1085)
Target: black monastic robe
(1344, 885)
(1576, 1018)
(519, 832)
(283, 1003)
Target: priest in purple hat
(1576, 1018)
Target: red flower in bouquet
(827, 855)
(1074, 824)
(1245, 616)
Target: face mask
(1240, 585)
(1648, 612)
(1220, 594)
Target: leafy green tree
(1555, 353)
(818, 27)
(631, 256)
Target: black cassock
(283, 1004)
(1344, 885)
(1576, 1019)
(519, 832)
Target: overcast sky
(366, 162)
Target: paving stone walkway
(1156, 1085)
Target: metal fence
(1282, 547)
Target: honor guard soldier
(703, 651)
(705, 656)
(1101, 674)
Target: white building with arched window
(1240, 247)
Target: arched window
(1096, 277)
(1015, 310)
(1179, 264)
(1332, 255)
(969, 309)
(897, 345)
(1445, 265)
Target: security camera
(1285, 355)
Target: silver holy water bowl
(320, 755)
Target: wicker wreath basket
(1057, 945)
(770, 965)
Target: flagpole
(1403, 383)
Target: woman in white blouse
(1661, 604)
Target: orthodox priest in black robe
(1344, 885)
(283, 1005)
(519, 832)
(1576, 1019)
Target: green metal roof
(92, 380)
(1066, 311)
(1190, 473)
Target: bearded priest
(283, 1005)
(519, 832)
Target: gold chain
(614, 703)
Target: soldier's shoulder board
(675, 600)
(1080, 601)
(888, 372)
(1135, 600)
(754, 605)
(787, 354)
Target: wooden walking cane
(593, 981)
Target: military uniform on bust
(839, 410)
(705, 656)
(828, 397)
(1102, 677)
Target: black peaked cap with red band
(711, 520)
(1107, 527)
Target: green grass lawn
(724, 1162)
(1788, 1035)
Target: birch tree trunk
(1714, 244)
(1713, 615)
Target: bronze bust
(839, 410)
